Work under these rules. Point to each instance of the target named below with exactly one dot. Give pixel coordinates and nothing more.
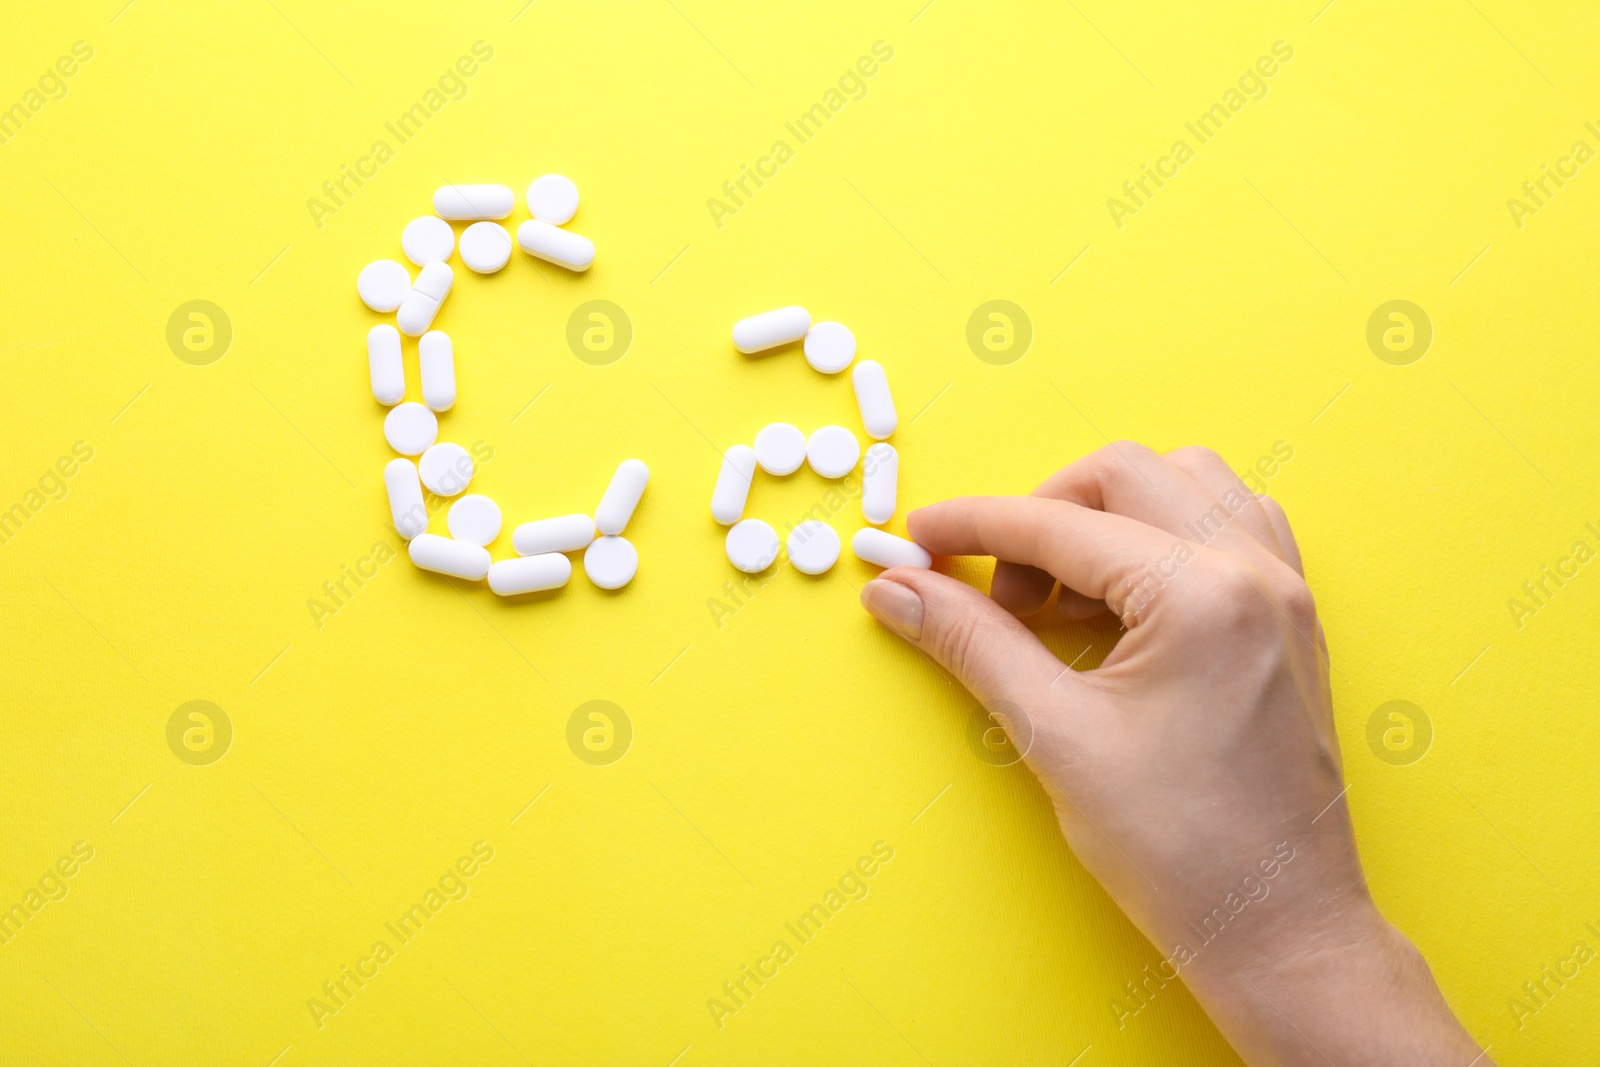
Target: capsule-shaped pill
(437, 357)
(529, 574)
(771, 329)
(733, 484)
(387, 370)
(422, 302)
(561, 247)
(406, 508)
(461, 202)
(446, 555)
(873, 398)
(564, 533)
(887, 550)
(880, 483)
(622, 496)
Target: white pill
(610, 562)
(880, 476)
(771, 329)
(830, 346)
(873, 398)
(427, 238)
(733, 484)
(564, 533)
(622, 496)
(813, 547)
(410, 428)
(752, 545)
(422, 302)
(553, 198)
(530, 574)
(833, 451)
(446, 469)
(383, 284)
(886, 550)
(437, 357)
(780, 448)
(406, 508)
(461, 202)
(474, 519)
(561, 247)
(384, 365)
(455, 558)
(485, 247)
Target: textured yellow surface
(405, 727)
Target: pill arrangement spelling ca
(412, 428)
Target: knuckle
(955, 642)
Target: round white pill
(383, 284)
(485, 247)
(833, 451)
(813, 547)
(553, 199)
(830, 346)
(410, 428)
(529, 574)
(610, 561)
(426, 239)
(446, 469)
(752, 545)
(780, 448)
(887, 550)
(474, 519)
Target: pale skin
(1201, 751)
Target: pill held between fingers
(553, 198)
(874, 399)
(621, 496)
(610, 562)
(410, 428)
(830, 346)
(384, 365)
(555, 245)
(883, 549)
(474, 519)
(529, 574)
(833, 451)
(406, 508)
(383, 284)
(437, 357)
(733, 484)
(485, 247)
(446, 556)
(445, 469)
(880, 483)
(780, 448)
(564, 533)
(463, 202)
(752, 545)
(771, 329)
(813, 547)
(422, 302)
(427, 238)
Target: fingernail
(896, 606)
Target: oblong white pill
(886, 550)
(553, 198)
(461, 202)
(621, 496)
(874, 399)
(446, 556)
(485, 247)
(564, 533)
(427, 238)
(733, 484)
(410, 428)
(833, 451)
(383, 284)
(880, 477)
(437, 357)
(813, 547)
(406, 508)
(529, 574)
(780, 448)
(830, 346)
(561, 247)
(752, 545)
(474, 519)
(384, 365)
(445, 469)
(610, 562)
(771, 329)
(422, 302)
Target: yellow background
(372, 750)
